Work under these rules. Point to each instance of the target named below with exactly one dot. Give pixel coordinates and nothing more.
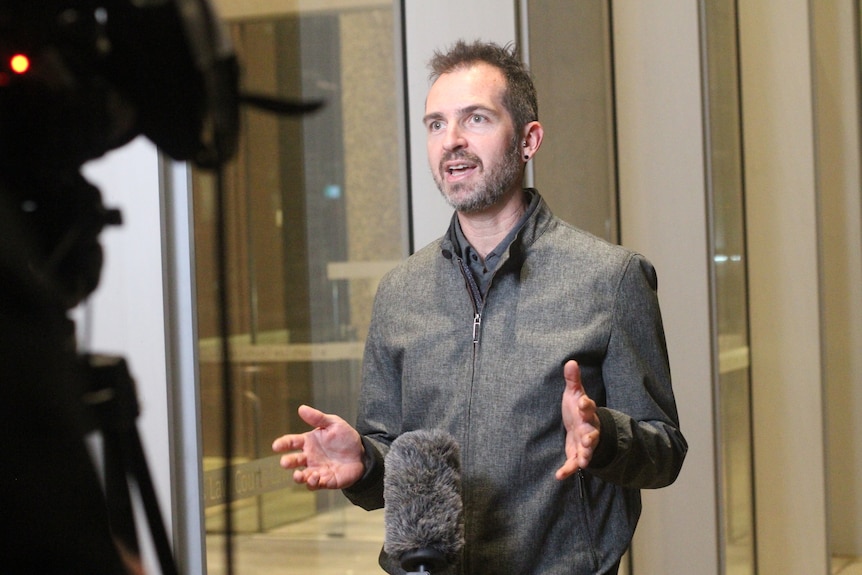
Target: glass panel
(728, 268)
(570, 59)
(315, 217)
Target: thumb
(569, 468)
(313, 417)
(572, 373)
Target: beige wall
(836, 68)
(663, 215)
(575, 170)
(800, 86)
(785, 324)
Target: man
(539, 347)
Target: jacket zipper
(475, 299)
(581, 489)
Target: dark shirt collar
(484, 270)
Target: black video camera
(81, 77)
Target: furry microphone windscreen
(422, 493)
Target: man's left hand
(581, 423)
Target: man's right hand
(327, 457)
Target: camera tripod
(112, 400)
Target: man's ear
(531, 140)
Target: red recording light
(19, 63)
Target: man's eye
(435, 125)
(477, 119)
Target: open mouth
(458, 168)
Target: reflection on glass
(728, 267)
(315, 218)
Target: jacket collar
(535, 225)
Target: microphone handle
(423, 561)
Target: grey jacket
(491, 374)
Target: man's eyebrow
(460, 112)
(432, 116)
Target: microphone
(423, 520)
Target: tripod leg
(118, 500)
(138, 468)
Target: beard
(491, 186)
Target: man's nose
(454, 139)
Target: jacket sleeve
(367, 493)
(641, 444)
(379, 417)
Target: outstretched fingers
(297, 460)
(329, 456)
(288, 442)
(293, 460)
(570, 467)
(580, 421)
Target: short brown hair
(520, 97)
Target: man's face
(472, 148)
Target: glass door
(315, 217)
(729, 288)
